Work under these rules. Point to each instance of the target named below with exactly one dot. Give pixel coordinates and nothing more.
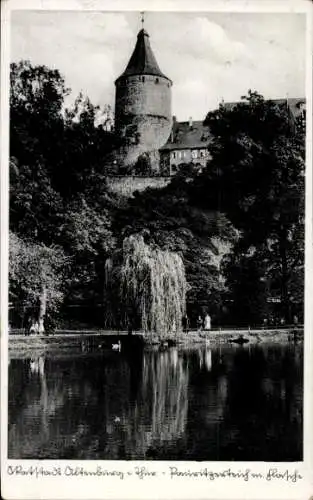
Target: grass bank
(225, 336)
(91, 340)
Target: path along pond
(225, 402)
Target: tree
(36, 123)
(188, 170)
(86, 150)
(245, 272)
(56, 151)
(37, 276)
(200, 236)
(152, 285)
(143, 165)
(256, 177)
(36, 208)
(58, 191)
(87, 237)
(36, 129)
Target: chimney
(190, 122)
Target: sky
(209, 56)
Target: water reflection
(165, 387)
(205, 359)
(229, 403)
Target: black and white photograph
(156, 228)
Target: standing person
(199, 323)
(130, 327)
(34, 327)
(185, 322)
(28, 326)
(207, 322)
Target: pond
(221, 403)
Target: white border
(164, 487)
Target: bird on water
(117, 347)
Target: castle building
(189, 141)
(187, 145)
(143, 119)
(143, 115)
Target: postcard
(156, 250)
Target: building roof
(143, 61)
(188, 135)
(197, 136)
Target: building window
(156, 80)
(174, 155)
(143, 78)
(202, 153)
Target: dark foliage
(238, 225)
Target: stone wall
(142, 95)
(153, 133)
(126, 185)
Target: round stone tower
(142, 104)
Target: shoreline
(101, 339)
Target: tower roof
(143, 61)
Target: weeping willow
(152, 282)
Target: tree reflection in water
(158, 415)
(222, 403)
(166, 377)
(36, 406)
